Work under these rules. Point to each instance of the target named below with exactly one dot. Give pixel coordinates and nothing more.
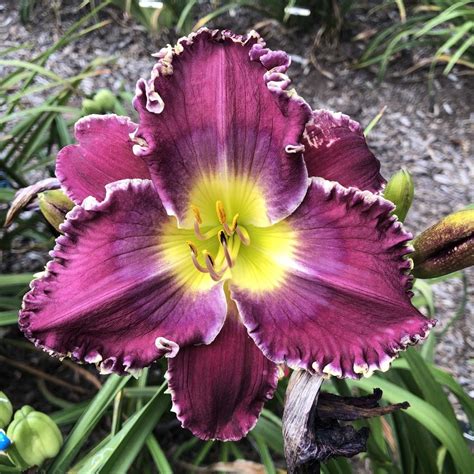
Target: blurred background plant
(119, 424)
(439, 32)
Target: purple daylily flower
(232, 230)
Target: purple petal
(110, 294)
(335, 149)
(102, 156)
(219, 390)
(344, 307)
(217, 105)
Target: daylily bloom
(214, 233)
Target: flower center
(230, 237)
(227, 235)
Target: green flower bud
(6, 410)
(400, 191)
(105, 99)
(89, 106)
(35, 436)
(54, 205)
(446, 247)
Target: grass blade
(8, 318)
(119, 453)
(91, 416)
(158, 455)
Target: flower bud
(35, 436)
(105, 99)
(446, 247)
(54, 205)
(6, 410)
(400, 191)
(25, 196)
(89, 106)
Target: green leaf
(30, 66)
(38, 110)
(15, 279)
(271, 433)
(8, 317)
(119, 453)
(265, 456)
(158, 455)
(216, 13)
(431, 418)
(7, 194)
(446, 15)
(446, 379)
(69, 415)
(427, 292)
(89, 419)
(431, 390)
(374, 121)
(457, 55)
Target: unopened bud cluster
(31, 438)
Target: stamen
(206, 235)
(192, 247)
(220, 212)
(215, 275)
(234, 222)
(243, 235)
(194, 253)
(197, 214)
(223, 241)
(197, 231)
(227, 229)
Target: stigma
(230, 237)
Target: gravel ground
(434, 141)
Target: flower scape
(232, 230)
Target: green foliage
(425, 438)
(445, 28)
(115, 430)
(180, 14)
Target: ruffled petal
(218, 391)
(344, 306)
(335, 149)
(103, 155)
(218, 108)
(112, 294)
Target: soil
(429, 135)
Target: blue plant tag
(5, 442)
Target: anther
(192, 247)
(220, 212)
(223, 241)
(243, 235)
(197, 214)
(234, 222)
(194, 254)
